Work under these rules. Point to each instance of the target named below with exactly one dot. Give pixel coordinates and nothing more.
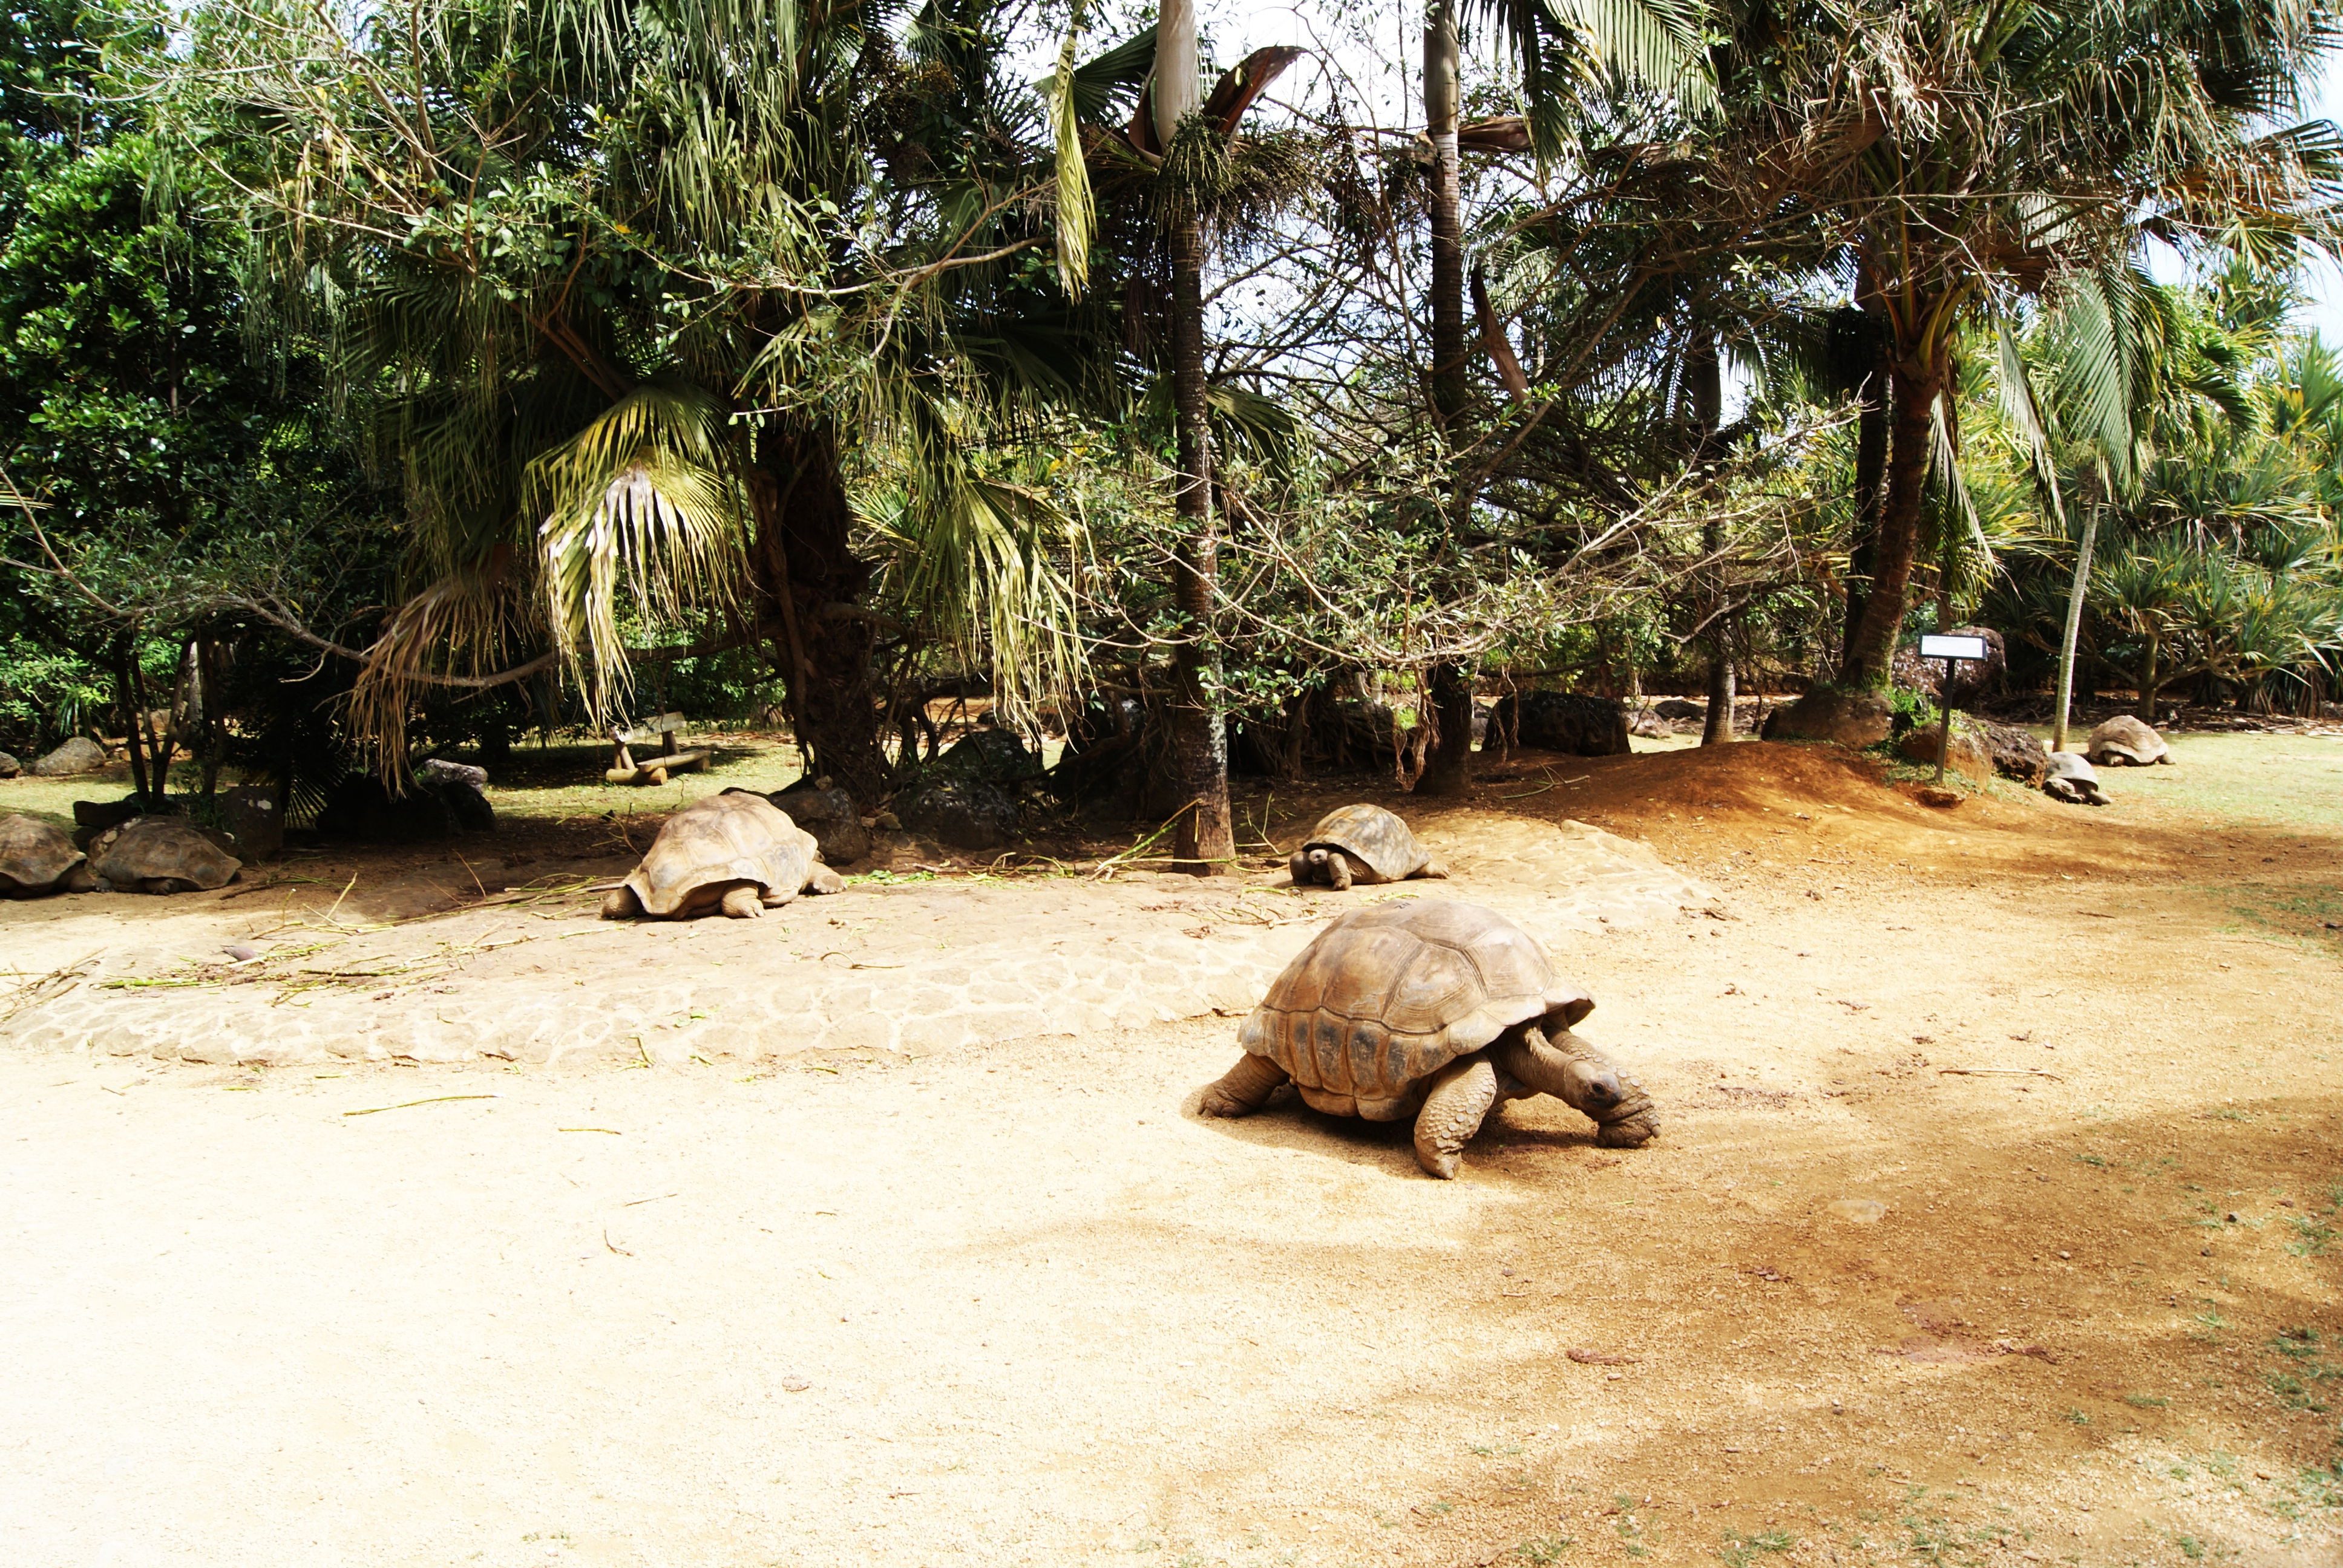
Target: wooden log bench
(626, 768)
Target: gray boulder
(79, 755)
(2016, 754)
(9, 766)
(1853, 718)
(1569, 721)
(995, 755)
(432, 770)
(965, 813)
(826, 812)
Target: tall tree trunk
(1705, 372)
(1871, 650)
(1205, 842)
(2151, 679)
(1870, 483)
(2074, 630)
(1449, 769)
(133, 711)
(808, 575)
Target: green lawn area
(2280, 780)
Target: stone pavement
(902, 967)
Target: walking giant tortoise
(36, 858)
(1361, 844)
(1433, 1009)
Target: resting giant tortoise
(1361, 844)
(2070, 777)
(1430, 1009)
(160, 855)
(36, 859)
(735, 852)
(2125, 742)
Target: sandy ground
(1993, 1219)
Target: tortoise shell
(2072, 766)
(735, 837)
(1374, 838)
(148, 850)
(34, 854)
(1387, 996)
(2123, 739)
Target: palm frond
(643, 514)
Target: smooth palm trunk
(1448, 770)
(809, 585)
(2073, 631)
(1205, 843)
(1871, 649)
(1870, 488)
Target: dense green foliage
(419, 374)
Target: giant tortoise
(2069, 776)
(160, 855)
(1361, 844)
(36, 858)
(2124, 741)
(736, 852)
(1434, 1010)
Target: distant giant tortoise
(2070, 777)
(1361, 844)
(160, 855)
(1434, 1010)
(2124, 741)
(736, 852)
(36, 859)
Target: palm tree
(639, 297)
(1969, 155)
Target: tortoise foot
(743, 903)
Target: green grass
(2279, 779)
(547, 783)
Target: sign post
(1952, 651)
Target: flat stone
(1857, 1211)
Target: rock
(1970, 755)
(2124, 741)
(1677, 710)
(360, 808)
(9, 766)
(826, 812)
(79, 755)
(2016, 754)
(965, 813)
(255, 815)
(1971, 680)
(1481, 715)
(1650, 726)
(432, 770)
(92, 817)
(1853, 719)
(992, 754)
(1857, 1211)
(1938, 796)
(1569, 721)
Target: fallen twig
(30, 993)
(2001, 1072)
(435, 1100)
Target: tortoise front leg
(1566, 1067)
(1460, 1096)
(1338, 870)
(1242, 1089)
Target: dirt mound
(1716, 808)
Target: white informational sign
(1953, 648)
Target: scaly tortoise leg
(1242, 1089)
(1562, 1064)
(1460, 1096)
(743, 902)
